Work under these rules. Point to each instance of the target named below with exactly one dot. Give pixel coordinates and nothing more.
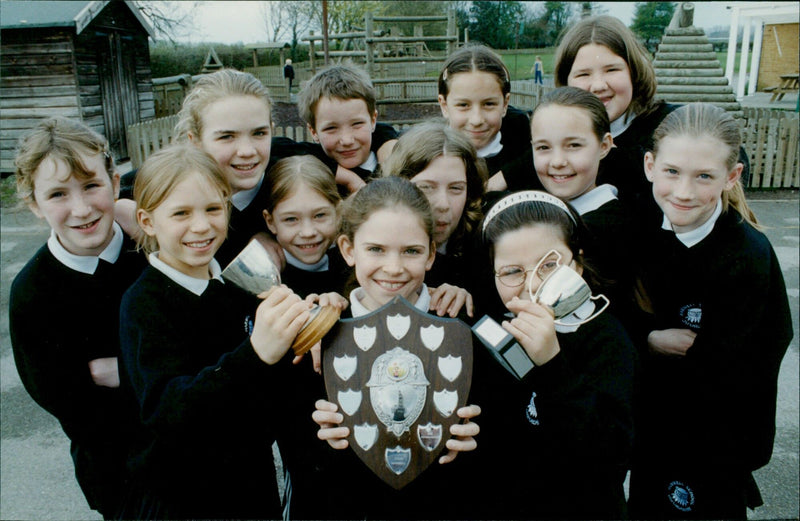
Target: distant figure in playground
(537, 71)
(288, 73)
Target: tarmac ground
(36, 472)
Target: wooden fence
(770, 138)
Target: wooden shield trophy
(398, 376)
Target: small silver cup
(564, 291)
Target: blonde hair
(698, 120)
(344, 82)
(288, 173)
(609, 32)
(57, 138)
(164, 170)
(423, 143)
(213, 87)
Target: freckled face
(475, 106)
(605, 75)
(80, 211)
(344, 129)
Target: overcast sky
(232, 22)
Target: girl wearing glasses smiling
(569, 419)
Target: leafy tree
(650, 20)
(496, 23)
(553, 18)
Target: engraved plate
(450, 367)
(397, 459)
(366, 435)
(397, 389)
(398, 325)
(345, 366)
(429, 436)
(431, 336)
(349, 401)
(445, 402)
(364, 337)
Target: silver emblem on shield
(431, 336)
(429, 436)
(345, 366)
(397, 389)
(350, 401)
(450, 367)
(397, 459)
(364, 337)
(398, 325)
(445, 402)
(366, 435)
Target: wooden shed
(84, 60)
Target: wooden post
(325, 46)
(255, 57)
(452, 30)
(311, 54)
(368, 41)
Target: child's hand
(274, 249)
(316, 357)
(125, 215)
(464, 433)
(329, 299)
(349, 179)
(671, 342)
(328, 420)
(450, 299)
(534, 329)
(279, 319)
(497, 183)
(385, 151)
(105, 371)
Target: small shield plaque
(400, 394)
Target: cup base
(315, 329)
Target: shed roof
(24, 15)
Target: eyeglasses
(514, 276)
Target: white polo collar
(241, 200)
(621, 124)
(594, 198)
(359, 310)
(320, 265)
(692, 237)
(86, 263)
(371, 163)
(195, 285)
(493, 148)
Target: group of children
(176, 388)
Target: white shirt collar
(493, 148)
(371, 163)
(442, 248)
(86, 263)
(594, 198)
(359, 310)
(320, 265)
(196, 286)
(692, 237)
(621, 124)
(241, 200)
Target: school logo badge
(681, 496)
(398, 376)
(691, 315)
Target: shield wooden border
(377, 369)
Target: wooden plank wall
(37, 80)
(770, 138)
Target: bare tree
(170, 20)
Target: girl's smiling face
(689, 175)
(444, 183)
(566, 150)
(521, 250)
(304, 223)
(475, 106)
(598, 70)
(391, 252)
(237, 133)
(80, 211)
(189, 224)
